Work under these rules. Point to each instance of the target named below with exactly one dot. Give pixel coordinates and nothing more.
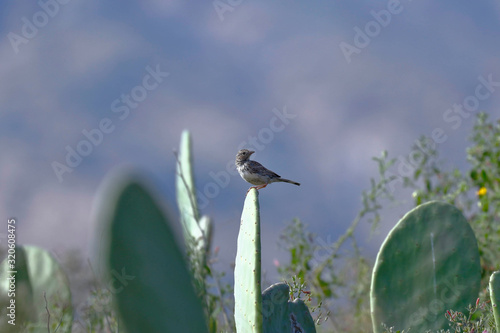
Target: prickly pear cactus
(142, 260)
(283, 316)
(428, 263)
(247, 279)
(495, 297)
(37, 284)
(195, 228)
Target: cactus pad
(247, 279)
(428, 263)
(283, 316)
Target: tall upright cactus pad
(428, 263)
(195, 228)
(38, 285)
(247, 270)
(280, 315)
(143, 263)
(495, 297)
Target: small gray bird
(255, 173)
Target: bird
(255, 173)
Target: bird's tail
(289, 181)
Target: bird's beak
(251, 152)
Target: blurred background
(317, 89)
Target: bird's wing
(262, 170)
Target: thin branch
(60, 322)
(48, 312)
(224, 312)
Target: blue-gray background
(233, 66)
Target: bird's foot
(251, 188)
(256, 187)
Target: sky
(315, 88)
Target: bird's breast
(251, 177)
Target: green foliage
(478, 320)
(392, 330)
(280, 315)
(298, 291)
(149, 278)
(42, 296)
(428, 263)
(300, 243)
(98, 313)
(331, 273)
(247, 270)
(495, 297)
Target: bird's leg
(256, 187)
(260, 186)
(251, 187)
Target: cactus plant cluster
(428, 263)
(137, 239)
(148, 270)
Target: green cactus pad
(38, 273)
(144, 265)
(194, 228)
(495, 297)
(247, 279)
(283, 316)
(428, 263)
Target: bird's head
(243, 155)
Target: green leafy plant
(332, 272)
(478, 318)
